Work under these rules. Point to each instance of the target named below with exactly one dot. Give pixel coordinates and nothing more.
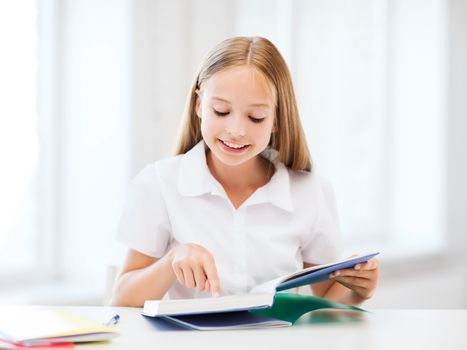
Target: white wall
(457, 127)
(85, 103)
(94, 121)
(441, 282)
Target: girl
(239, 204)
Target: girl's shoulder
(165, 169)
(307, 180)
(305, 185)
(179, 172)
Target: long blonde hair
(288, 138)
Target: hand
(194, 267)
(361, 279)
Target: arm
(349, 286)
(136, 281)
(144, 277)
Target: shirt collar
(195, 179)
(277, 191)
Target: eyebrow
(252, 105)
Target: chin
(231, 161)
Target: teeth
(232, 145)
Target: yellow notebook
(37, 325)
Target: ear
(198, 104)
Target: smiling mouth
(233, 146)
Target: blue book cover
(321, 274)
(226, 321)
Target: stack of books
(48, 328)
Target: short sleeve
(325, 243)
(144, 224)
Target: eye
(220, 114)
(256, 120)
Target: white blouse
(291, 219)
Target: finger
(353, 282)
(179, 273)
(368, 274)
(371, 264)
(211, 272)
(188, 276)
(200, 277)
(207, 287)
(364, 293)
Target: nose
(236, 126)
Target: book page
(269, 286)
(206, 305)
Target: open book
(262, 296)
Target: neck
(250, 175)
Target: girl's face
(237, 111)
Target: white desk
(381, 329)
